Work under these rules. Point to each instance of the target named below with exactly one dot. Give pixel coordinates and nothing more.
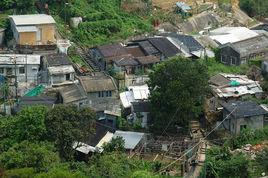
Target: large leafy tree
(66, 124)
(177, 90)
(26, 154)
(30, 123)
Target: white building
(56, 70)
(226, 35)
(24, 67)
(135, 103)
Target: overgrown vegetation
(214, 67)
(255, 7)
(38, 142)
(103, 21)
(222, 162)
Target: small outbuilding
(34, 29)
(243, 115)
(243, 51)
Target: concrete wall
(255, 122)
(31, 71)
(229, 56)
(95, 95)
(233, 124)
(57, 79)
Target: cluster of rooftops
(56, 73)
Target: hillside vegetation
(255, 7)
(103, 20)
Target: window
(9, 71)
(99, 94)
(233, 60)
(1, 70)
(68, 76)
(21, 70)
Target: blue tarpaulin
(184, 7)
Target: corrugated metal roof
(126, 98)
(226, 35)
(33, 19)
(132, 139)
(26, 29)
(140, 92)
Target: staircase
(196, 132)
(84, 54)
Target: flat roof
(20, 59)
(26, 29)
(226, 35)
(33, 19)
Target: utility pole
(14, 61)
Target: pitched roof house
(101, 92)
(56, 69)
(34, 29)
(242, 115)
(243, 51)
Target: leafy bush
(26, 154)
(247, 137)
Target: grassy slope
(103, 22)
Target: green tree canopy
(26, 154)
(116, 144)
(177, 86)
(66, 124)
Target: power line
(189, 150)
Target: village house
(224, 35)
(22, 67)
(135, 104)
(243, 115)
(27, 101)
(56, 70)
(104, 133)
(138, 54)
(72, 94)
(228, 87)
(101, 92)
(134, 65)
(104, 55)
(156, 46)
(243, 51)
(188, 45)
(34, 29)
